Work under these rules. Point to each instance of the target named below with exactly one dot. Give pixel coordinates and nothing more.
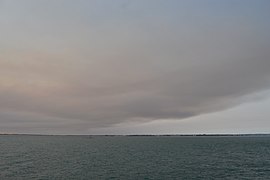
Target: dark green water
(81, 157)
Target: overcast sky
(134, 67)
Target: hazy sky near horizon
(127, 67)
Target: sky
(134, 67)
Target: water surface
(120, 157)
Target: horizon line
(196, 134)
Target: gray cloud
(101, 76)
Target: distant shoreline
(142, 135)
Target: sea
(27, 157)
